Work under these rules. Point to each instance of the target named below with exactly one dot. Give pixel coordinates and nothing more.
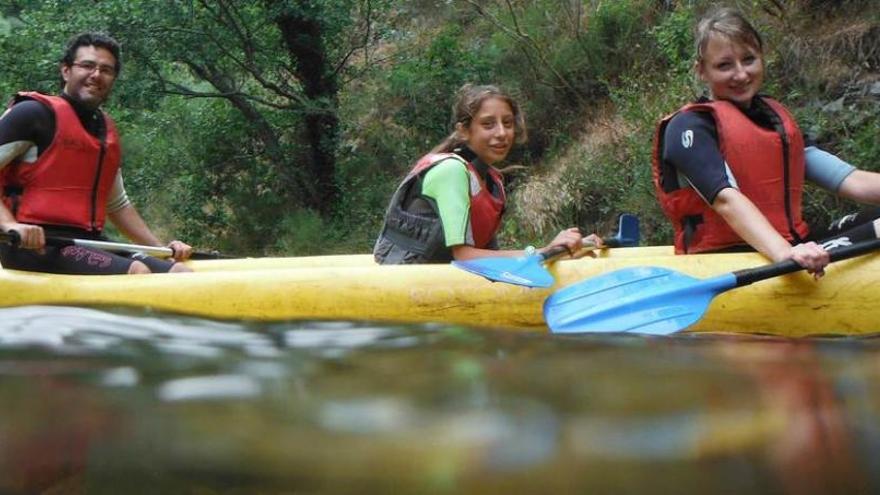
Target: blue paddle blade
(530, 271)
(525, 270)
(650, 300)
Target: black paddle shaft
(750, 275)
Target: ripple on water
(181, 404)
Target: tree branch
(528, 45)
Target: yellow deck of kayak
(353, 287)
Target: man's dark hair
(98, 40)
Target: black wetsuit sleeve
(28, 120)
(690, 146)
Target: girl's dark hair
(468, 101)
(98, 40)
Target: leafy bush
(593, 77)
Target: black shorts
(76, 260)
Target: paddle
(654, 300)
(13, 238)
(529, 270)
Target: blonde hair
(468, 101)
(729, 23)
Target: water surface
(139, 402)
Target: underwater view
(122, 401)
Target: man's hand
(181, 250)
(31, 236)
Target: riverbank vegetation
(282, 127)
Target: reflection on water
(124, 402)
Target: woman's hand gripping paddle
(12, 237)
(529, 270)
(654, 300)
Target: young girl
(450, 204)
(729, 170)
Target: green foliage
(215, 109)
(645, 78)
(185, 174)
(6, 25)
(849, 132)
(605, 176)
(422, 88)
(674, 38)
(304, 233)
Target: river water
(120, 401)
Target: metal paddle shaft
(655, 300)
(157, 251)
(13, 238)
(529, 270)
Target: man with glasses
(60, 173)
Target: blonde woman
(729, 169)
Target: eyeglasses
(89, 66)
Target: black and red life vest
(486, 209)
(769, 170)
(407, 237)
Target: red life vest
(769, 170)
(69, 183)
(486, 210)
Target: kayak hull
(354, 288)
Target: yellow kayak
(354, 288)
(352, 260)
(268, 263)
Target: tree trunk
(302, 36)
